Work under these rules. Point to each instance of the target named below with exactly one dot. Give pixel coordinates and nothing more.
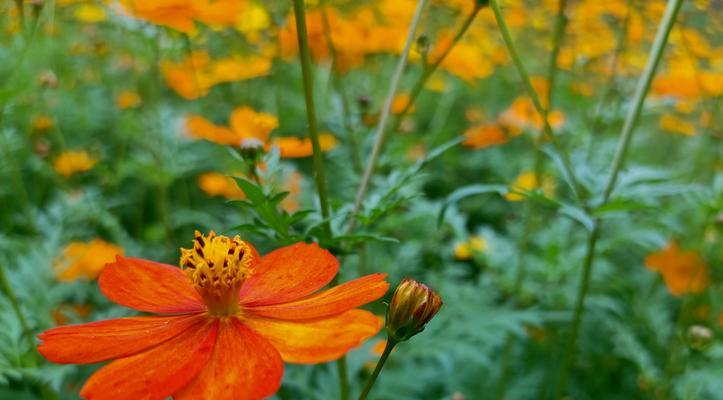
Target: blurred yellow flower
(85, 259)
(683, 271)
(526, 182)
(72, 162)
(465, 250)
(42, 124)
(673, 124)
(90, 13)
(128, 99)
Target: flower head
(228, 319)
(413, 306)
(683, 271)
(72, 162)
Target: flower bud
(699, 337)
(251, 149)
(413, 306)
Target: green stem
(380, 364)
(656, 52)
(579, 310)
(319, 173)
(305, 56)
(21, 14)
(560, 23)
(429, 69)
(386, 111)
(10, 294)
(536, 102)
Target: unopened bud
(482, 3)
(413, 305)
(363, 101)
(699, 337)
(423, 45)
(251, 149)
(47, 78)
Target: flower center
(218, 266)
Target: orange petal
(289, 273)
(149, 286)
(329, 302)
(244, 366)
(321, 340)
(156, 373)
(115, 338)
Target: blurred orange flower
(128, 99)
(673, 124)
(69, 163)
(181, 14)
(228, 320)
(85, 259)
(400, 103)
(465, 250)
(42, 124)
(522, 116)
(217, 184)
(683, 271)
(485, 135)
(194, 76)
(247, 124)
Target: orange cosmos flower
(229, 319)
(81, 259)
(683, 271)
(128, 99)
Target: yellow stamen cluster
(218, 266)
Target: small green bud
(699, 337)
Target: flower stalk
(386, 111)
(537, 103)
(380, 364)
(305, 56)
(656, 52)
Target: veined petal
(329, 302)
(321, 340)
(289, 273)
(115, 338)
(149, 286)
(156, 373)
(244, 366)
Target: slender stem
(341, 370)
(560, 23)
(305, 56)
(10, 294)
(21, 13)
(386, 111)
(429, 69)
(536, 102)
(579, 310)
(656, 52)
(380, 364)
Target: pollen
(218, 266)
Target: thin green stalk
(10, 294)
(21, 14)
(571, 345)
(429, 69)
(319, 173)
(305, 56)
(386, 111)
(560, 23)
(661, 39)
(656, 54)
(380, 364)
(537, 103)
